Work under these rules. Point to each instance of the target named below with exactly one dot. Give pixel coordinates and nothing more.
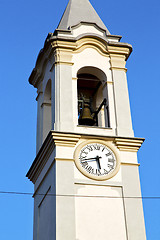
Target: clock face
(97, 161)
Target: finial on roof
(80, 11)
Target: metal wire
(81, 196)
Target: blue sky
(24, 26)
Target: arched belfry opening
(93, 104)
(46, 106)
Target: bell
(86, 117)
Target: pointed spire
(80, 11)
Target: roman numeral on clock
(98, 171)
(96, 147)
(108, 154)
(89, 148)
(111, 160)
(105, 171)
(110, 166)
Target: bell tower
(85, 174)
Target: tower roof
(80, 11)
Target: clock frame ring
(110, 146)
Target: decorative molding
(118, 56)
(43, 58)
(46, 104)
(87, 46)
(118, 62)
(63, 56)
(63, 45)
(130, 164)
(118, 68)
(119, 50)
(59, 50)
(129, 145)
(39, 93)
(53, 139)
(65, 139)
(107, 82)
(74, 78)
(65, 63)
(61, 62)
(91, 42)
(107, 184)
(64, 159)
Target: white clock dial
(97, 161)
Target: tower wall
(85, 176)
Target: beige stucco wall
(65, 206)
(84, 207)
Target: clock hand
(90, 159)
(98, 162)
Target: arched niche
(93, 104)
(47, 92)
(46, 109)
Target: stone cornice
(70, 140)
(118, 56)
(65, 139)
(38, 72)
(119, 48)
(53, 139)
(65, 46)
(35, 77)
(131, 145)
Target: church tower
(85, 174)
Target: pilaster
(62, 109)
(133, 202)
(52, 172)
(118, 56)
